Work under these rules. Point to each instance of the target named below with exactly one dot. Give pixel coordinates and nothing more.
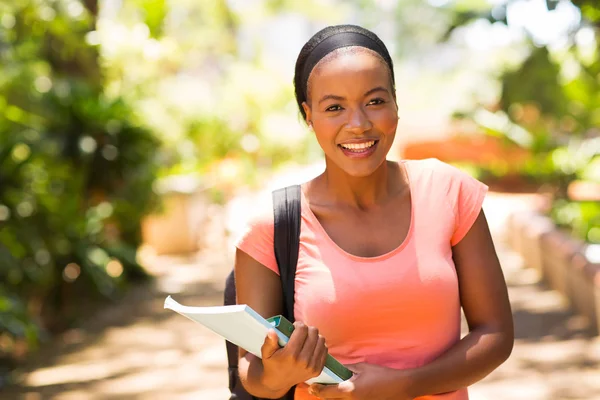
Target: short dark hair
(300, 83)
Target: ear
(308, 112)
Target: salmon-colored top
(401, 309)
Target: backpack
(286, 212)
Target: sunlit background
(136, 136)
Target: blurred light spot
(594, 235)
(570, 69)
(47, 13)
(42, 256)
(25, 209)
(229, 169)
(592, 253)
(41, 176)
(152, 50)
(92, 38)
(98, 256)
(75, 9)
(21, 152)
(8, 21)
(250, 143)
(62, 89)
(43, 84)
(585, 37)
(71, 272)
(32, 396)
(114, 268)
(4, 212)
(141, 32)
(31, 135)
(104, 209)
(113, 126)
(88, 144)
(110, 152)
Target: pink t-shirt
(401, 309)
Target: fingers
(307, 348)
(296, 342)
(319, 356)
(307, 354)
(270, 345)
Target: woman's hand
(370, 382)
(302, 358)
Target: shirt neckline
(380, 257)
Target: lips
(358, 146)
(359, 149)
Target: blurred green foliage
(98, 99)
(549, 105)
(76, 172)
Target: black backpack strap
(286, 239)
(287, 217)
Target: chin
(361, 171)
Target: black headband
(337, 41)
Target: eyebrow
(339, 98)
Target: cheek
(385, 121)
(327, 129)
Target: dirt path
(137, 350)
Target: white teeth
(358, 146)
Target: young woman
(389, 252)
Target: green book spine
(286, 327)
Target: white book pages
(242, 326)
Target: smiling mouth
(358, 147)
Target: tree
(76, 171)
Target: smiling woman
(352, 109)
(389, 252)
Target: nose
(358, 121)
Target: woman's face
(352, 110)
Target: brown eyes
(337, 107)
(376, 101)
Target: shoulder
(255, 214)
(432, 167)
(441, 177)
(254, 235)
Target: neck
(361, 192)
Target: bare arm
(260, 288)
(484, 299)
(302, 358)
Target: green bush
(76, 174)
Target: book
(245, 328)
(286, 327)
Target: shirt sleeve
(466, 195)
(256, 239)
